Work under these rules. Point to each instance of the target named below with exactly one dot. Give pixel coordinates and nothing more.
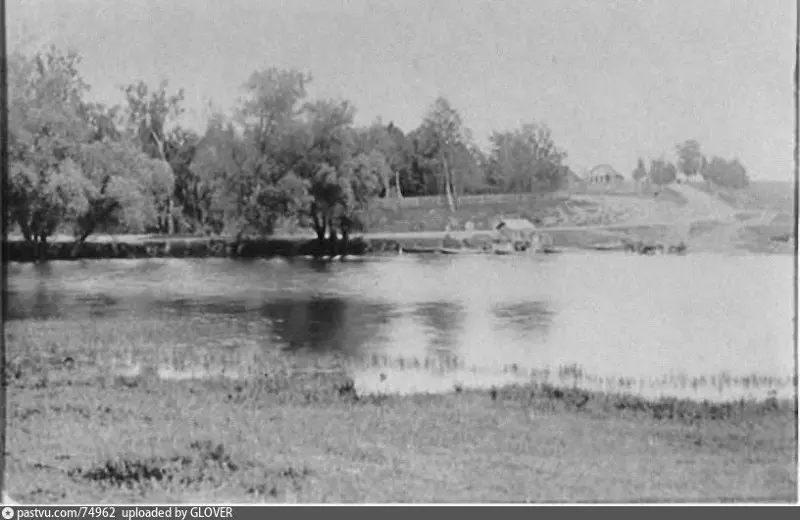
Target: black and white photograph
(443, 252)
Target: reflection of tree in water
(445, 319)
(525, 317)
(325, 324)
(99, 305)
(46, 302)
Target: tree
(424, 177)
(119, 187)
(188, 188)
(326, 144)
(398, 157)
(390, 141)
(218, 169)
(46, 130)
(351, 188)
(662, 172)
(690, 160)
(726, 174)
(259, 152)
(103, 122)
(445, 133)
(151, 119)
(525, 159)
(640, 173)
(70, 166)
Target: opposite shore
(588, 238)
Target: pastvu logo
(8, 513)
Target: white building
(604, 174)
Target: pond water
(664, 322)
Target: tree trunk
(81, 239)
(160, 146)
(41, 249)
(26, 231)
(397, 184)
(169, 216)
(319, 225)
(448, 188)
(332, 242)
(345, 241)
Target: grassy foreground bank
(78, 432)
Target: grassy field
(295, 430)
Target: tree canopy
(70, 166)
(278, 159)
(662, 172)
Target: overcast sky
(613, 80)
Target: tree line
(278, 158)
(714, 171)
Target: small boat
(607, 247)
(550, 251)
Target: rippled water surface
(613, 315)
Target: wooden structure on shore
(514, 235)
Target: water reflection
(443, 320)
(323, 324)
(524, 317)
(616, 315)
(98, 305)
(38, 299)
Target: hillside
(755, 219)
(672, 206)
(777, 196)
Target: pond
(703, 326)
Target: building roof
(515, 224)
(602, 170)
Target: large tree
(119, 186)
(525, 159)
(640, 172)
(265, 145)
(390, 142)
(218, 168)
(691, 160)
(443, 135)
(398, 156)
(152, 116)
(726, 173)
(662, 172)
(285, 157)
(45, 133)
(70, 165)
(347, 192)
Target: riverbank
(297, 430)
(755, 239)
(310, 438)
(145, 247)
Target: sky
(614, 80)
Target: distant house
(604, 174)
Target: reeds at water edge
(718, 386)
(431, 373)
